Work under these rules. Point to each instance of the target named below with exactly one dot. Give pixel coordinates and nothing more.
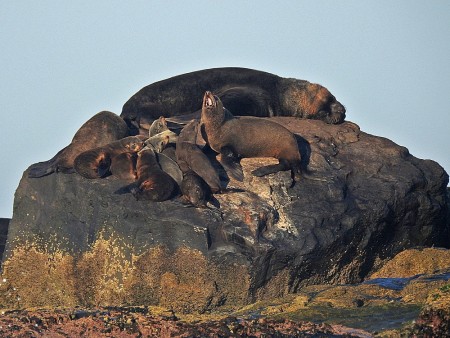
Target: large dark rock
(4, 224)
(76, 241)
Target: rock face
(4, 224)
(77, 241)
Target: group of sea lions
(157, 144)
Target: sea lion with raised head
(243, 91)
(239, 137)
(103, 128)
(95, 163)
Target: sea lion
(158, 126)
(239, 137)
(153, 183)
(95, 163)
(160, 141)
(123, 166)
(194, 190)
(101, 129)
(243, 91)
(191, 158)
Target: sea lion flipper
(41, 169)
(231, 164)
(171, 167)
(268, 169)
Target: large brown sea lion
(103, 128)
(239, 137)
(243, 91)
(95, 163)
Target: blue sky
(62, 62)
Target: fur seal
(103, 128)
(95, 163)
(238, 137)
(123, 166)
(191, 158)
(153, 183)
(158, 126)
(194, 190)
(243, 91)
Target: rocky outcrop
(4, 224)
(365, 199)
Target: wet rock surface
(140, 322)
(77, 241)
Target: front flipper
(269, 169)
(231, 163)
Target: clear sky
(61, 62)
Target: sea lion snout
(209, 100)
(337, 113)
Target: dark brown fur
(103, 128)
(153, 184)
(195, 190)
(95, 163)
(243, 91)
(123, 166)
(191, 158)
(239, 137)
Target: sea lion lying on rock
(95, 163)
(243, 91)
(239, 137)
(103, 128)
(123, 166)
(153, 183)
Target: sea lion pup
(191, 158)
(153, 183)
(123, 166)
(103, 128)
(95, 163)
(194, 190)
(243, 91)
(238, 137)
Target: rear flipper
(231, 164)
(45, 168)
(42, 169)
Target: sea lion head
(133, 144)
(312, 101)
(158, 126)
(213, 111)
(322, 105)
(210, 101)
